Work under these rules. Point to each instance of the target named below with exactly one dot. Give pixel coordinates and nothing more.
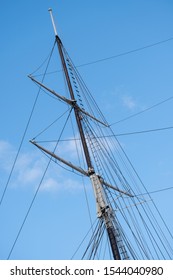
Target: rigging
(132, 232)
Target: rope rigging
(94, 147)
(113, 135)
(25, 130)
(139, 234)
(108, 166)
(143, 111)
(115, 56)
(36, 192)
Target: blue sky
(90, 31)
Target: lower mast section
(105, 213)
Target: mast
(76, 111)
(104, 211)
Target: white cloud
(50, 184)
(30, 167)
(129, 102)
(72, 185)
(7, 154)
(69, 148)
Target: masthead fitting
(53, 22)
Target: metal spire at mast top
(53, 23)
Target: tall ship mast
(130, 226)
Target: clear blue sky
(90, 30)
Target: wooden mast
(104, 210)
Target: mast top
(53, 22)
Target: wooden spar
(71, 102)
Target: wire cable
(25, 131)
(168, 230)
(46, 128)
(117, 55)
(126, 53)
(113, 135)
(36, 192)
(142, 131)
(156, 191)
(143, 111)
